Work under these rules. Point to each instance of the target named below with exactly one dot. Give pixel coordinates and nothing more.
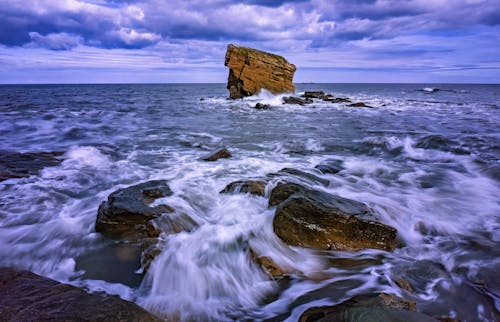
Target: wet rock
(340, 100)
(267, 264)
(254, 187)
(316, 94)
(301, 175)
(330, 167)
(219, 154)
(251, 70)
(128, 214)
(296, 100)
(20, 165)
(316, 219)
(367, 308)
(359, 104)
(261, 106)
(25, 296)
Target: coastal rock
(359, 104)
(25, 296)
(304, 175)
(297, 100)
(254, 187)
(261, 106)
(369, 308)
(219, 154)
(330, 167)
(20, 165)
(128, 214)
(316, 94)
(340, 100)
(251, 70)
(316, 219)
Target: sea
(425, 159)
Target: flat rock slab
(25, 296)
(315, 219)
(127, 213)
(368, 308)
(251, 70)
(20, 165)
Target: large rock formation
(250, 70)
(25, 296)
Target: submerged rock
(297, 100)
(25, 296)
(359, 104)
(367, 308)
(251, 70)
(254, 187)
(128, 214)
(304, 175)
(261, 106)
(20, 165)
(316, 219)
(330, 167)
(340, 100)
(219, 154)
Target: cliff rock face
(251, 70)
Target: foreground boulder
(128, 214)
(315, 219)
(367, 308)
(251, 70)
(25, 296)
(20, 165)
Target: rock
(128, 214)
(315, 219)
(219, 154)
(251, 70)
(340, 100)
(254, 187)
(331, 167)
(296, 100)
(317, 94)
(367, 308)
(20, 165)
(260, 106)
(360, 104)
(303, 175)
(25, 296)
(267, 264)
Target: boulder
(251, 70)
(20, 165)
(25, 296)
(339, 100)
(254, 187)
(316, 94)
(297, 100)
(219, 154)
(330, 167)
(128, 214)
(368, 308)
(360, 104)
(316, 219)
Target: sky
(167, 41)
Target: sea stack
(250, 70)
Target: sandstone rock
(296, 100)
(254, 187)
(251, 70)
(315, 219)
(367, 308)
(219, 154)
(317, 94)
(261, 106)
(25, 296)
(127, 213)
(360, 104)
(20, 165)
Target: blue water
(426, 162)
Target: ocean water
(427, 163)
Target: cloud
(53, 41)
